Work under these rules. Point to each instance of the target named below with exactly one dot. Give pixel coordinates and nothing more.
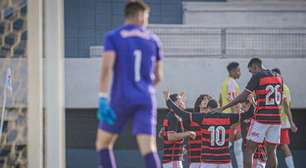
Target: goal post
(35, 84)
(54, 83)
(46, 110)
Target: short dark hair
(232, 66)
(212, 103)
(173, 97)
(132, 8)
(276, 70)
(255, 61)
(197, 103)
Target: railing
(95, 51)
(197, 41)
(189, 41)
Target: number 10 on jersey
(217, 135)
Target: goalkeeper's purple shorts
(143, 118)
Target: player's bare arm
(220, 100)
(105, 113)
(161, 132)
(231, 97)
(234, 108)
(242, 96)
(248, 114)
(166, 94)
(108, 61)
(174, 136)
(187, 117)
(251, 99)
(159, 72)
(287, 106)
(171, 105)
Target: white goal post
(46, 147)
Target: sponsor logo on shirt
(134, 33)
(255, 134)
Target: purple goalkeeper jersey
(137, 50)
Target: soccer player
(229, 90)
(215, 129)
(260, 155)
(173, 135)
(200, 104)
(132, 57)
(287, 123)
(268, 87)
(194, 145)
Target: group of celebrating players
(133, 57)
(254, 122)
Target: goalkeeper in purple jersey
(132, 57)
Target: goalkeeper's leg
(104, 146)
(147, 146)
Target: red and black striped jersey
(194, 145)
(268, 87)
(215, 130)
(261, 153)
(172, 150)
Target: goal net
(13, 83)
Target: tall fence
(183, 40)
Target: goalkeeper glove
(105, 112)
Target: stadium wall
(194, 75)
(235, 13)
(86, 21)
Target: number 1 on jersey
(137, 64)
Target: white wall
(246, 13)
(193, 75)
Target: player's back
(194, 145)
(215, 138)
(137, 50)
(269, 93)
(172, 150)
